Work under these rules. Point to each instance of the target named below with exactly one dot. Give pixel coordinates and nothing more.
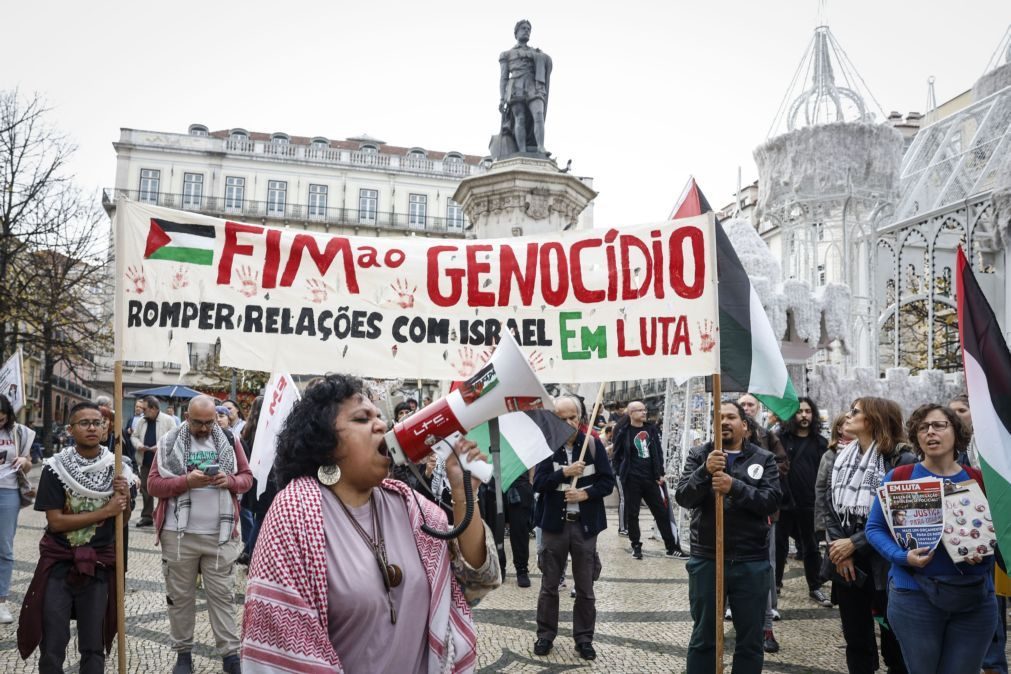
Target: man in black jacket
(747, 477)
(570, 520)
(804, 445)
(638, 456)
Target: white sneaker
(727, 615)
(775, 615)
(5, 614)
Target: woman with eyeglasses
(859, 574)
(943, 610)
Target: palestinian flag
(527, 438)
(750, 358)
(988, 379)
(180, 243)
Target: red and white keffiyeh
(285, 618)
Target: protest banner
(637, 302)
(12, 382)
(915, 512)
(279, 397)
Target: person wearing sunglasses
(859, 574)
(939, 631)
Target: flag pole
(589, 427)
(495, 442)
(718, 447)
(120, 552)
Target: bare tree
(33, 162)
(64, 284)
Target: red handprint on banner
(536, 361)
(707, 333)
(180, 278)
(248, 280)
(405, 297)
(468, 361)
(136, 277)
(317, 291)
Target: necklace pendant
(395, 574)
(393, 614)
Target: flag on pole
(279, 397)
(12, 381)
(527, 438)
(749, 350)
(987, 366)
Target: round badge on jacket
(755, 471)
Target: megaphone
(506, 383)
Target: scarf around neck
(174, 449)
(855, 480)
(91, 478)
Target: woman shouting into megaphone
(343, 577)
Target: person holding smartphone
(197, 474)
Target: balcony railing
(222, 207)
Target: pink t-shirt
(358, 611)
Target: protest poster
(279, 397)
(12, 381)
(968, 525)
(915, 512)
(628, 303)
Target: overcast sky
(643, 94)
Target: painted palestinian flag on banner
(987, 366)
(180, 242)
(527, 438)
(750, 357)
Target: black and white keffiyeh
(855, 480)
(91, 478)
(174, 450)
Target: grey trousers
(182, 559)
(557, 546)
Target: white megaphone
(504, 384)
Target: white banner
(279, 397)
(12, 382)
(630, 303)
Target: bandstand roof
(956, 158)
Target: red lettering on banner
(509, 269)
(278, 394)
(475, 296)
(322, 258)
(677, 262)
(627, 291)
(232, 248)
(623, 351)
(579, 290)
(554, 296)
(272, 261)
(455, 278)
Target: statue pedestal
(522, 196)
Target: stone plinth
(522, 196)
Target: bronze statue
(523, 93)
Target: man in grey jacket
(148, 429)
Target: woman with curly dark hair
(343, 577)
(947, 631)
(860, 578)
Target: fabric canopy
(168, 392)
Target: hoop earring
(329, 475)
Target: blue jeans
(996, 655)
(747, 589)
(10, 506)
(933, 640)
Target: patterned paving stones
(643, 623)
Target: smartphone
(211, 470)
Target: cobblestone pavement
(643, 622)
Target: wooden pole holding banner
(718, 447)
(589, 427)
(120, 551)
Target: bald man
(198, 474)
(570, 519)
